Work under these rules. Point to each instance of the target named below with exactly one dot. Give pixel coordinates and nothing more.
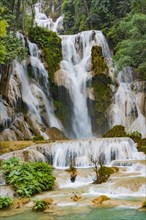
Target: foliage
(5, 202)
(27, 178)
(14, 48)
(40, 205)
(50, 43)
(130, 38)
(38, 138)
(3, 25)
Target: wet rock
(99, 200)
(55, 134)
(75, 198)
(20, 202)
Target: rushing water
(78, 152)
(126, 107)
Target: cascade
(40, 76)
(125, 109)
(78, 152)
(76, 68)
(42, 20)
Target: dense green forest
(123, 23)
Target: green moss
(50, 44)
(98, 63)
(141, 145)
(38, 138)
(116, 131)
(102, 95)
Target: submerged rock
(99, 200)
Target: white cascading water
(40, 75)
(35, 92)
(42, 20)
(76, 68)
(77, 152)
(125, 108)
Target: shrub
(40, 205)
(5, 202)
(28, 178)
(38, 138)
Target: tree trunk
(17, 15)
(23, 16)
(5, 77)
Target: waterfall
(125, 108)
(76, 68)
(42, 20)
(62, 154)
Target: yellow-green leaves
(3, 25)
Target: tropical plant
(28, 178)
(39, 205)
(5, 202)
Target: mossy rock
(102, 100)
(98, 62)
(143, 205)
(50, 44)
(18, 203)
(76, 198)
(116, 131)
(99, 200)
(55, 134)
(141, 145)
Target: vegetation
(40, 205)
(102, 94)
(27, 178)
(119, 131)
(123, 22)
(5, 202)
(102, 173)
(50, 44)
(38, 138)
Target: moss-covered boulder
(99, 200)
(102, 100)
(98, 62)
(116, 131)
(50, 44)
